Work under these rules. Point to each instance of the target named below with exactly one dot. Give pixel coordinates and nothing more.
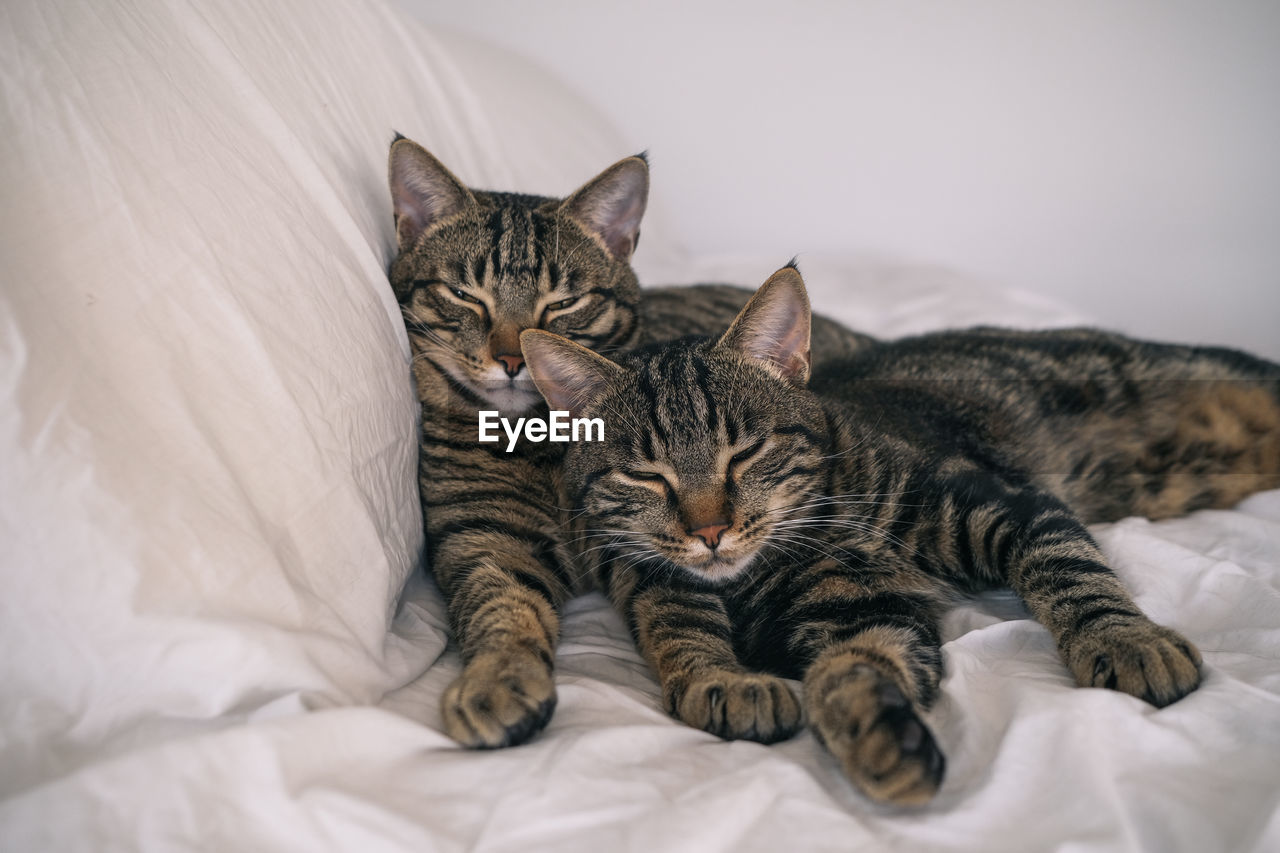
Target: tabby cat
(748, 527)
(475, 269)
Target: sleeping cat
(474, 270)
(744, 524)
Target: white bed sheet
(208, 510)
(1034, 763)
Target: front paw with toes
(866, 721)
(1142, 659)
(499, 700)
(738, 705)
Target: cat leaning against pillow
(476, 268)
(750, 522)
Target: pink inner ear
(612, 206)
(559, 395)
(551, 376)
(422, 192)
(554, 371)
(778, 334)
(410, 220)
(423, 200)
(774, 327)
(621, 231)
(568, 376)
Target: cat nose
(510, 363)
(710, 533)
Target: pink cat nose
(510, 363)
(710, 534)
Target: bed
(215, 631)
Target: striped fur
(749, 527)
(475, 269)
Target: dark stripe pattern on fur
(749, 527)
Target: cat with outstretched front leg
(751, 520)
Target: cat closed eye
(464, 296)
(563, 304)
(648, 477)
(743, 455)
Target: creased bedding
(208, 512)
(1035, 763)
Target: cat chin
(510, 399)
(511, 402)
(718, 570)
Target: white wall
(1122, 156)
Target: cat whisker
(818, 547)
(639, 558)
(415, 327)
(617, 542)
(844, 522)
(864, 497)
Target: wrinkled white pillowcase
(209, 501)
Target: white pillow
(207, 430)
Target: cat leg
(876, 665)
(1032, 541)
(503, 605)
(685, 634)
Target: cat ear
(773, 327)
(568, 375)
(612, 204)
(423, 191)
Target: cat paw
(1145, 660)
(885, 749)
(740, 706)
(499, 700)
